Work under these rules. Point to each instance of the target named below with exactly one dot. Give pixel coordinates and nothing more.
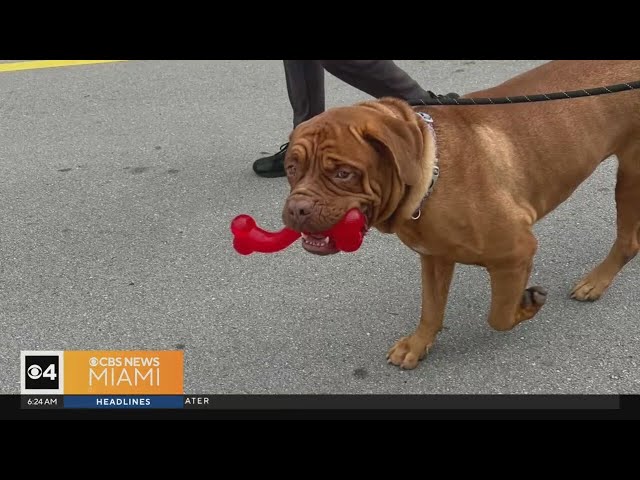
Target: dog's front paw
(408, 351)
(590, 288)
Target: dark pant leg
(305, 86)
(378, 78)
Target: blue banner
(123, 401)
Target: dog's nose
(300, 209)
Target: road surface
(118, 182)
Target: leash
(591, 92)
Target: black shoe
(272, 166)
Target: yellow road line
(35, 64)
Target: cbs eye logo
(41, 372)
(34, 372)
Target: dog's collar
(436, 170)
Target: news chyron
(105, 379)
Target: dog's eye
(343, 174)
(291, 170)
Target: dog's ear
(402, 142)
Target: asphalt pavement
(117, 185)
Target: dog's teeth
(326, 240)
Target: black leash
(621, 87)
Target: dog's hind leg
(511, 301)
(627, 243)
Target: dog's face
(363, 156)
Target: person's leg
(378, 78)
(305, 87)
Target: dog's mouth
(323, 243)
(319, 243)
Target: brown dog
(501, 169)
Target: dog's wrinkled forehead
(332, 122)
(339, 131)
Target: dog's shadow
(467, 336)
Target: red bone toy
(348, 234)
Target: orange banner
(123, 372)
